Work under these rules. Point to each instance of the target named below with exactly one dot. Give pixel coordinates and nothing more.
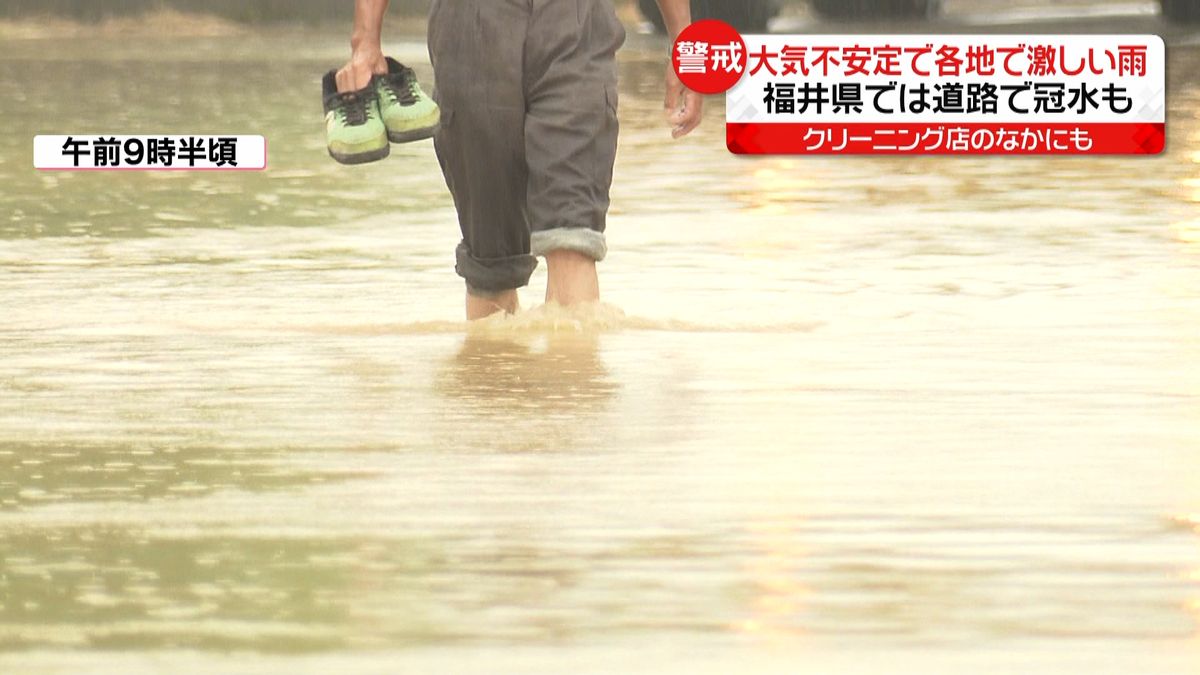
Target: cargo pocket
(605, 151)
(444, 143)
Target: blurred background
(747, 15)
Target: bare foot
(572, 278)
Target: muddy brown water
(840, 415)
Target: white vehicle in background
(751, 16)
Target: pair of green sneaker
(359, 125)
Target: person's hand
(683, 107)
(364, 63)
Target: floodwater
(840, 414)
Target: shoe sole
(412, 135)
(361, 157)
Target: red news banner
(936, 94)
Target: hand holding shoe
(365, 63)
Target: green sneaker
(354, 131)
(408, 113)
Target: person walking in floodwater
(528, 133)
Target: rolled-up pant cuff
(486, 276)
(578, 239)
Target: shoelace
(401, 87)
(353, 108)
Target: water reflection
(780, 594)
(1187, 227)
(43, 473)
(524, 390)
(784, 186)
(529, 374)
(1193, 576)
(117, 588)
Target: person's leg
(571, 139)
(482, 305)
(571, 277)
(477, 51)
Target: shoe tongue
(354, 106)
(342, 97)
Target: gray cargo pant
(528, 91)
